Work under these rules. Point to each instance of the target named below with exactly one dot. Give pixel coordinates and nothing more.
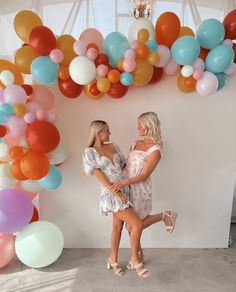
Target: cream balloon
(6, 77)
(82, 70)
(3, 150)
(139, 24)
(59, 155)
(187, 70)
(31, 186)
(6, 180)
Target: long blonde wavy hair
(95, 127)
(151, 123)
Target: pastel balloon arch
(31, 150)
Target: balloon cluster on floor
(30, 153)
(111, 65)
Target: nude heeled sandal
(144, 273)
(173, 217)
(140, 256)
(115, 266)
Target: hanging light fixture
(142, 8)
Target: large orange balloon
(167, 28)
(42, 136)
(16, 152)
(143, 72)
(24, 57)
(87, 91)
(24, 22)
(6, 65)
(142, 50)
(34, 165)
(65, 44)
(186, 84)
(16, 172)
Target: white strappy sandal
(173, 216)
(144, 273)
(140, 256)
(116, 268)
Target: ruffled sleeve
(120, 155)
(89, 161)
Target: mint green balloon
(39, 244)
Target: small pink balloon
(92, 54)
(14, 94)
(102, 70)
(129, 65)
(199, 64)
(43, 96)
(7, 248)
(171, 68)
(79, 48)
(231, 70)
(164, 53)
(52, 118)
(29, 118)
(130, 53)
(92, 35)
(228, 42)
(197, 74)
(56, 56)
(33, 106)
(134, 44)
(16, 126)
(41, 114)
(207, 85)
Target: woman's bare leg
(117, 226)
(151, 219)
(139, 246)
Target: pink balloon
(231, 70)
(197, 74)
(7, 248)
(171, 68)
(129, 65)
(164, 53)
(52, 118)
(134, 44)
(92, 35)
(11, 141)
(16, 126)
(102, 70)
(228, 42)
(14, 94)
(33, 106)
(41, 114)
(199, 64)
(92, 54)
(56, 56)
(130, 53)
(79, 48)
(207, 85)
(29, 118)
(42, 95)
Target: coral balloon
(230, 25)
(6, 65)
(24, 57)
(65, 44)
(7, 248)
(143, 72)
(16, 152)
(92, 35)
(157, 74)
(142, 50)
(16, 172)
(34, 165)
(113, 76)
(69, 88)
(117, 90)
(24, 22)
(43, 96)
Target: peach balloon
(7, 248)
(92, 35)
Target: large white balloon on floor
(39, 244)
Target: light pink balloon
(14, 94)
(197, 74)
(129, 65)
(11, 141)
(134, 44)
(41, 114)
(171, 68)
(29, 118)
(92, 35)
(56, 56)
(52, 118)
(130, 54)
(7, 248)
(33, 106)
(102, 70)
(199, 64)
(92, 54)
(79, 48)
(16, 126)
(164, 53)
(43, 96)
(228, 42)
(231, 70)
(207, 85)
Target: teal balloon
(185, 50)
(6, 109)
(126, 78)
(219, 59)
(1, 140)
(222, 78)
(44, 70)
(39, 244)
(115, 45)
(52, 180)
(210, 33)
(152, 45)
(2, 119)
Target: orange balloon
(203, 53)
(24, 57)
(119, 65)
(63, 72)
(167, 28)
(142, 73)
(35, 216)
(19, 109)
(113, 76)
(16, 152)
(143, 35)
(86, 89)
(92, 45)
(6, 65)
(103, 84)
(142, 50)
(24, 22)
(65, 44)
(153, 58)
(34, 165)
(185, 30)
(16, 172)
(186, 84)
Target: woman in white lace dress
(105, 161)
(143, 158)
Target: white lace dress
(113, 171)
(140, 193)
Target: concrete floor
(173, 270)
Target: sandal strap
(118, 271)
(139, 265)
(114, 265)
(142, 272)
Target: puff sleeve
(89, 161)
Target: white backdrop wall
(195, 177)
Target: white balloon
(6, 180)
(58, 155)
(140, 24)
(82, 70)
(31, 186)
(23, 143)
(3, 150)
(187, 70)
(164, 53)
(6, 77)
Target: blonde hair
(94, 128)
(151, 123)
